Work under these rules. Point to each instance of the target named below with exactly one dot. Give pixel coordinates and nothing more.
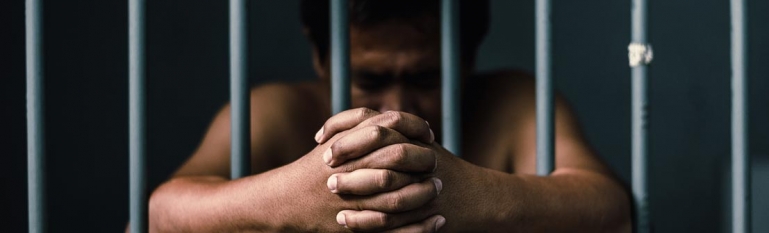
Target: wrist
(478, 199)
(261, 202)
(295, 198)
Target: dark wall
(86, 96)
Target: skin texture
(380, 166)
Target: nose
(397, 98)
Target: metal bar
(639, 127)
(136, 120)
(450, 84)
(35, 118)
(340, 56)
(450, 89)
(545, 111)
(240, 156)
(740, 152)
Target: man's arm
(580, 194)
(216, 204)
(294, 197)
(198, 194)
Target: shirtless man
(380, 165)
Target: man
(379, 166)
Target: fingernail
(435, 168)
(438, 223)
(432, 135)
(438, 184)
(319, 134)
(327, 156)
(332, 184)
(340, 218)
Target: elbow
(152, 223)
(620, 221)
(159, 212)
(620, 209)
(613, 206)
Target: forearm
(566, 200)
(214, 204)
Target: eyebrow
(405, 75)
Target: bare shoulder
(502, 91)
(288, 97)
(285, 117)
(282, 118)
(276, 101)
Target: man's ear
(319, 64)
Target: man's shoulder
(502, 87)
(501, 98)
(291, 98)
(503, 80)
(285, 90)
(278, 93)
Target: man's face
(396, 66)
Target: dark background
(86, 96)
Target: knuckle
(384, 179)
(362, 113)
(394, 117)
(383, 220)
(399, 154)
(378, 132)
(395, 202)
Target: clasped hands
(390, 161)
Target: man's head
(395, 49)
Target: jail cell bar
(240, 156)
(639, 116)
(450, 102)
(341, 101)
(35, 118)
(136, 121)
(340, 56)
(545, 111)
(740, 149)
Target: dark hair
(473, 18)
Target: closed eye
(425, 80)
(371, 81)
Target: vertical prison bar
(340, 56)
(545, 112)
(240, 156)
(35, 126)
(136, 120)
(639, 116)
(740, 152)
(450, 101)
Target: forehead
(396, 46)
